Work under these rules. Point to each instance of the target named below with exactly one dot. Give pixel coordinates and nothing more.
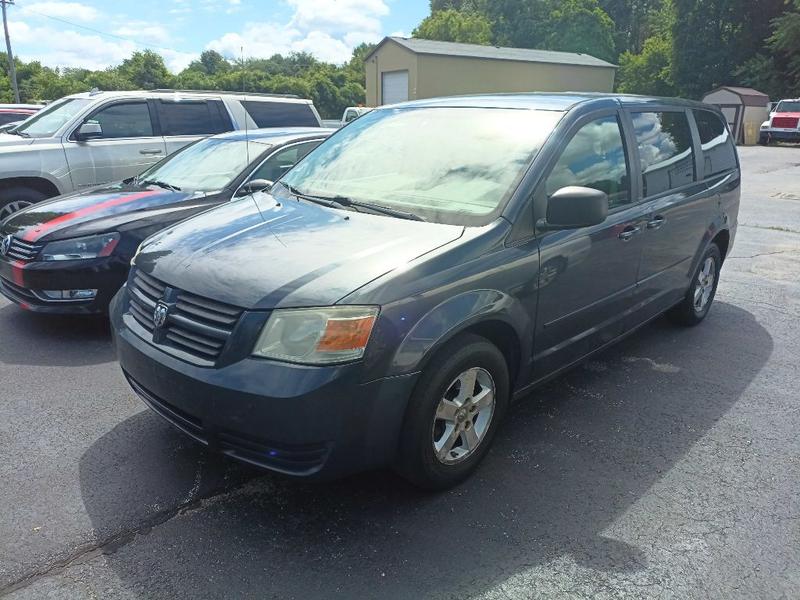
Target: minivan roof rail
(233, 93)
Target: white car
(98, 137)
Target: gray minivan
(446, 257)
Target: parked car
(422, 268)
(13, 113)
(97, 138)
(783, 124)
(351, 113)
(71, 254)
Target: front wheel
(695, 305)
(454, 413)
(16, 198)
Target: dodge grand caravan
(422, 268)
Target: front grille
(785, 122)
(22, 250)
(195, 325)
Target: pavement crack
(769, 253)
(112, 543)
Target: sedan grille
(22, 250)
(785, 122)
(195, 325)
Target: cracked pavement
(666, 467)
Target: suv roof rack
(234, 93)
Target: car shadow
(568, 463)
(53, 340)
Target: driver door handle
(628, 233)
(156, 151)
(657, 222)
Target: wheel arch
(39, 183)
(491, 314)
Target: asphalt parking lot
(669, 466)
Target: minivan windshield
(50, 119)
(205, 166)
(445, 164)
(788, 106)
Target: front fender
(451, 317)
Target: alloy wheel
(463, 415)
(705, 284)
(9, 209)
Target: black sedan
(72, 253)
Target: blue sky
(66, 34)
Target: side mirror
(253, 186)
(573, 207)
(89, 130)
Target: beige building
(401, 69)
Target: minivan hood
(257, 253)
(92, 211)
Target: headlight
(317, 335)
(93, 246)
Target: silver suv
(99, 137)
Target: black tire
(417, 459)
(687, 312)
(14, 198)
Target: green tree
(785, 43)
(146, 70)
(581, 26)
(650, 71)
(452, 25)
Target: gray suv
(99, 137)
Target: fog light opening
(69, 294)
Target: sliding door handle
(628, 233)
(656, 222)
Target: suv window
(191, 117)
(124, 120)
(595, 158)
(665, 150)
(281, 114)
(719, 155)
(283, 160)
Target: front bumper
(22, 282)
(313, 422)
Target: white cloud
(63, 10)
(68, 48)
(144, 31)
(328, 29)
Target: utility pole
(12, 70)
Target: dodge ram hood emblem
(160, 315)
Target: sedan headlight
(317, 336)
(94, 246)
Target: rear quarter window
(192, 118)
(719, 154)
(665, 150)
(281, 114)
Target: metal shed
(744, 108)
(400, 69)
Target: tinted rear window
(192, 118)
(665, 150)
(719, 155)
(281, 114)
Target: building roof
(749, 96)
(419, 46)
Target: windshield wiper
(346, 202)
(161, 184)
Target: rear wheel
(452, 418)
(695, 305)
(16, 198)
